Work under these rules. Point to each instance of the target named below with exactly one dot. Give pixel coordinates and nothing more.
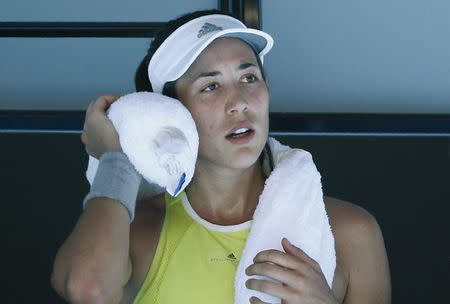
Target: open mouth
(242, 132)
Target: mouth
(240, 132)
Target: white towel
(291, 205)
(160, 138)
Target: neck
(226, 196)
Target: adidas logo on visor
(208, 28)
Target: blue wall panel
(66, 73)
(359, 56)
(99, 10)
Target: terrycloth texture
(160, 138)
(117, 179)
(291, 205)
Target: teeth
(240, 131)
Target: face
(226, 95)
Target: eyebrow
(242, 66)
(246, 65)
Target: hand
(99, 134)
(301, 279)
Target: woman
(107, 260)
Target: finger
(296, 251)
(270, 270)
(278, 257)
(105, 101)
(110, 99)
(255, 300)
(268, 287)
(90, 106)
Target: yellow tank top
(195, 260)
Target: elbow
(82, 289)
(57, 282)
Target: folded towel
(291, 205)
(160, 138)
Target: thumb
(110, 99)
(287, 246)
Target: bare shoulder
(360, 251)
(354, 228)
(347, 218)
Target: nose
(237, 102)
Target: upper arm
(360, 244)
(369, 278)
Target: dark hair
(141, 80)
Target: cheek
(204, 114)
(207, 133)
(260, 97)
(261, 106)
(204, 120)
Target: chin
(234, 156)
(243, 163)
(244, 158)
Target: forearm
(93, 263)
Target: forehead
(223, 51)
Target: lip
(242, 139)
(240, 125)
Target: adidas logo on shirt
(231, 256)
(221, 259)
(208, 28)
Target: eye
(249, 78)
(211, 87)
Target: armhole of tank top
(151, 272)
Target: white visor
(176, 54)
